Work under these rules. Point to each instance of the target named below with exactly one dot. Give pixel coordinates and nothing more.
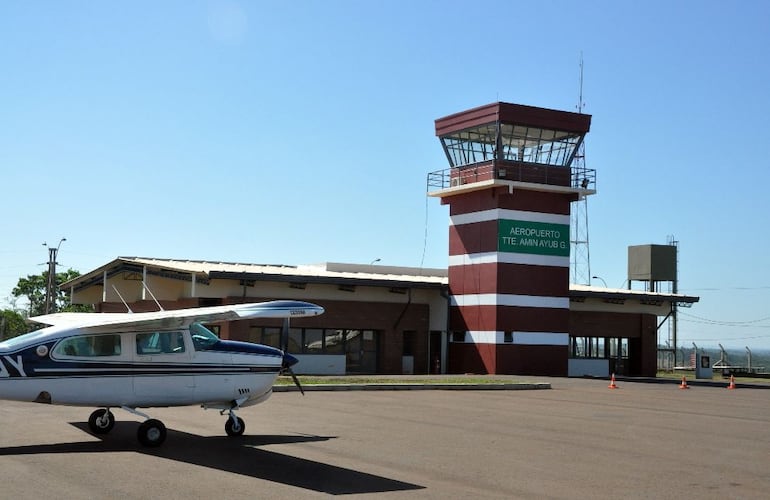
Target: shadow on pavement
(239, 455)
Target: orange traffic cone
(612, 383)
(684, 385)
(731, 385)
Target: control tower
(509, 186)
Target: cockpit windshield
(202, 337)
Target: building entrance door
(361, 351)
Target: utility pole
(50, 289)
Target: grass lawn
(395, 379)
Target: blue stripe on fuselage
(26, 362)
(235, 347)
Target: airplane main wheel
(151, 433)
(101, 421)
(232, 429)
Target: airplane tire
(232, 430)
(151, 433)
(98, 425)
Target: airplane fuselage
(174, 367)
(161, 358)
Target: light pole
(600, 278)
(50, 289)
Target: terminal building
(504, 305)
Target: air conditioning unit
(455, 182)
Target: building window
(266, 335)
(334, 341)
(313, 342)
(598, 347)
(295, 340)
(519, 143)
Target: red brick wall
(390, 320)
(508, 359)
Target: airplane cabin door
(163, 371)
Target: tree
(33, 288)
(11, 324)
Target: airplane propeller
(288, 359)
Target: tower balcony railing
(572, 177)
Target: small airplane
(150, 359)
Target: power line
(716, 289)
(727, 338)
(725, 323)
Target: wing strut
(121, 299)
(160, 307)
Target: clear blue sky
(301, 132)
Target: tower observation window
(538, 145)
(517, 143)
(471, 146)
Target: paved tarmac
(578, 439)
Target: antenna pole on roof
(580, 92)
(160, 307)
(121, 299)
(580, 252)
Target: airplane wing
(70, 318)
(106, 322)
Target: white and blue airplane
(152, 359)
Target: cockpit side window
(89, 346)
(159, 343)
(202, 337)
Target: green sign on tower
(539, 238)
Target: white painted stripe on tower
(508, 258)
(540, 338)
(477, 337)
(502, 213)
(506, 299)
(519, 338)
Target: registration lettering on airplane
(17, 365)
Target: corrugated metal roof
(601, 292)
(376, 275)
(329, 270)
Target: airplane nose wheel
(234, 426)
(151, 433)
(101, 421)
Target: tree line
(13, 321)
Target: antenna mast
(580, 255)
